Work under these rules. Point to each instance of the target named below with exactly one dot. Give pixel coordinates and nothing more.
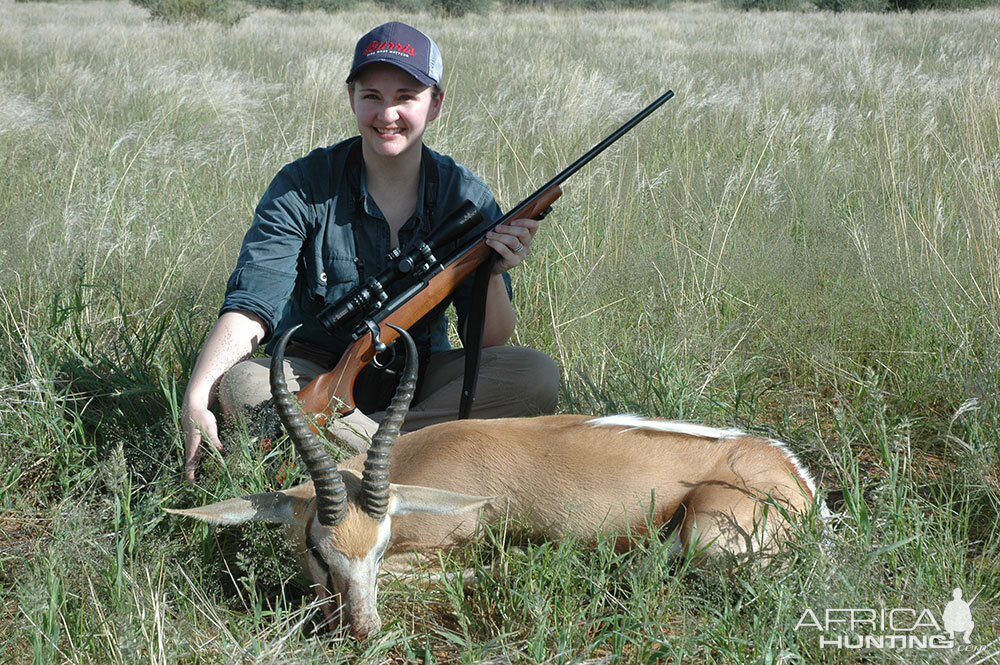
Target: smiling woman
(327, 223)
(394, 105)
(393, 109)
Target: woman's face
(393, 109)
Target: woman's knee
(243, 387)
(538, 379)
(546, 384)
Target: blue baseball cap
(401, 45)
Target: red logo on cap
(389, 46)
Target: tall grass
(804, 242)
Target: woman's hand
(512, 242)
(233, 338)
(199, 424)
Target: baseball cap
(401, 45)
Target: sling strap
(474, 337)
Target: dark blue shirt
(317, 233)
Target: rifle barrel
(564, 175)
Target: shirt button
(322, 277)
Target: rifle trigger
(543, 214)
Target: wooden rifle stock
(335, 389)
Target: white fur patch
(802, 471)
(631, 421)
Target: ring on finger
(518, 249)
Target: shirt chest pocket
(331, 281)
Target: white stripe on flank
(799, 467)
(632, 421)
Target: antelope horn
(375, 479)
(331, 496)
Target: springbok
(721, 490)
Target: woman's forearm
(233, 338)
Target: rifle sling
(474, 337)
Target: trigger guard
(380, 365)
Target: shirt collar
(371, 208)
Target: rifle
(369, 312)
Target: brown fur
(563, 477)
(357, 535)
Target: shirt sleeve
(267, 266)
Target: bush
(765, 5)
(851, 5)
(220, 11)
(619, 4)
(591, 4)
(301, 5)
(462, 7)
(916, 5)
(405, 5)
(897, 5)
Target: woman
(326, 223)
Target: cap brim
(412, 71)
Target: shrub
(462, 7)
(220, 11)
(405, 5)
(619, 4)
(916, 5)
(897, 5)
(591, 4)
(765, 5)
(851, 5)
(301, 5)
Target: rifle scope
(415, 261)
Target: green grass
(804, 242)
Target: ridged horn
(331, 496)
(375, 479)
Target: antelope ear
(274, 507)
(408, 499)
